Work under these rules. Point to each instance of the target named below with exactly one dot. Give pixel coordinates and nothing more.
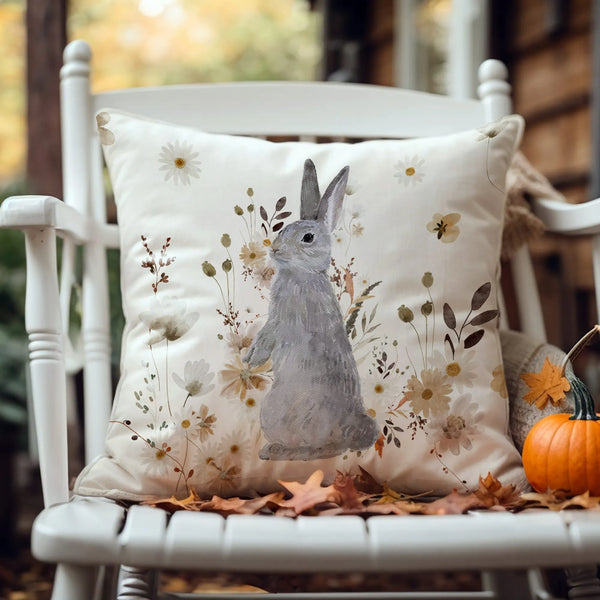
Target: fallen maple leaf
(309, 494)
(549, 384)
(243, 506)
(172, 504)
(493, 494)
(558, 500)
(349, 497)
(453, 504)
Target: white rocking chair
(90, 538)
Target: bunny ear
(309, 194)
(330, 207)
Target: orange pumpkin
(562, 452)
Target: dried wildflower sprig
(157, 268)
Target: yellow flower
(430, 393)
(445, 227)
(498, 383)
(252, 254)
(238, 377)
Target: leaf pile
(362, 495)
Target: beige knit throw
(524, 182)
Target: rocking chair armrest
(24, 212)
(569, 219)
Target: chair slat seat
(97, 531)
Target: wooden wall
(379, 42)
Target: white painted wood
(76, 124)
(527, 295)
(297, 108)
(494, 90)
(583, 582)
(81, 171)
(23, 212)
(90, 531)
(84, 531)
(136, 584)
(74, 582)
(575, 219)
(142, 538)
(569, 219)
(47, 367)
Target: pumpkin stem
(578, 347)
(584, 403)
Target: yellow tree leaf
(549, 385)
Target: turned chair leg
(136, 584)
(74, 582)
(583, 582)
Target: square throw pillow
(295, 306)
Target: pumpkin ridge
(562, 465)
(577, 469)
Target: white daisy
(160, 455)
(454, 430)
(380, 392)
(461, 368)
(179, 162)
(234, 445)
(184, 420)
(410, 170)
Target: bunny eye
(308, 238)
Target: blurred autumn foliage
(155, 42)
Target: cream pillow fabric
(285, 314)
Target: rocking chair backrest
(307, 110)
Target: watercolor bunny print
(314, 408)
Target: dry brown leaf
(309, 494)
(453, 504)
(558, 500)
(172, 504)
(366, 483)
(349, 497)
(548, 385)
(361, 494)
(493, 494)
(243, 506)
